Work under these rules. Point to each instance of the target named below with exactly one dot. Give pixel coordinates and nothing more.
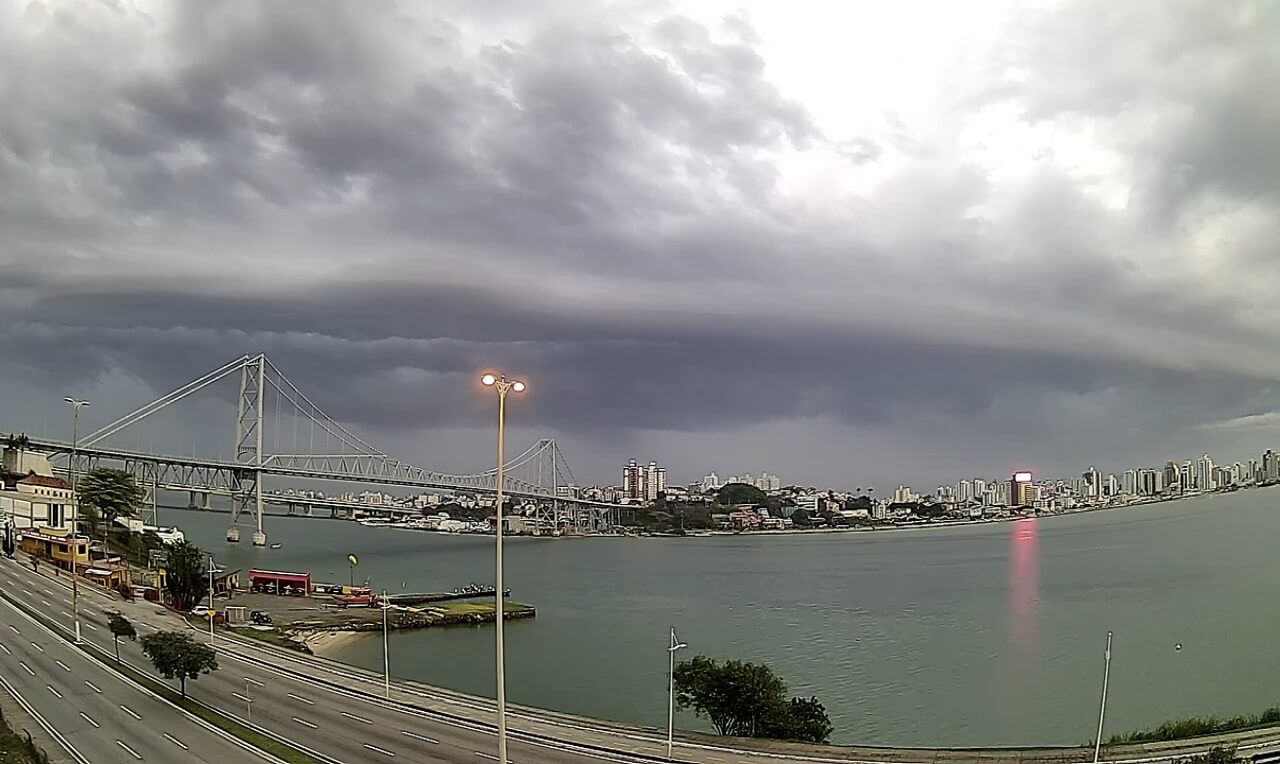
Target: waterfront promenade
(337, 713)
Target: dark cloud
(628, 206)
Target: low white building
(38, 501)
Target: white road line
(251, 680)
(6, 650)
(14, 629)
(38, 647)
(360, 719)
(238, 696)
(28, 592)
(89, 719)
(484, 755)
(130, 712)
(64, 666)
(92, 686)
(89, 626)
(176, 742)
(416, 736)
(304, 722)
(69, 602)
(46, 603)
(130, 750)
(26, 668)
(382, 751)
(299, 697)
(55, 692)
(49, 592)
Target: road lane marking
(38, 647)
(89, 626)
(64, 666)
(55, 692)
(484, 755)
(382, 751)
(299, 697)
(92, 686)
(69, 602)
(238, 696)
(47, 603)
(26, 668)
(416, 736)
(89, 719)
(130, 712)
(14, 629)
(6, 650)
(251, 680)
(304, 722)
(360, 719)
(49, 592)
(130, 750)
(177, 742)
(28, 592)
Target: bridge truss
(280, 432)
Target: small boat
(276, 545)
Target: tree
(120, 627)
(748, 700)
(177, 656)
(804, 720)
(185, 575)
(740, 493)
(110, 492)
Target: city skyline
(811, 238)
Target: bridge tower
(246, 496)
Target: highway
(337, 714)
(100, 716)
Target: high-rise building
(1112, 486)
(711, 482)
(1204, 473)
(1270, 466)
(768, 483)
(903, 495)
(1020, 494)
(641, 483)
(1129, 485)
(1092, 484)
(1172, 477)
(964, 490)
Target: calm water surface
(975, 635)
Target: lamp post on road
(1102, 713)
(210, 600)
(671, 687)
(386, 653)
(502, 386)
(76, 405)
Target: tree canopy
(110, 493)
(745, 699)
(177, 656)
(740, 493)
(185, 575)
(120, 627)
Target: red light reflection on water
(1024, 622)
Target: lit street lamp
(671, 687)
(1106, 674)
(76, 405)
(503, 386)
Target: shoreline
(330, 642)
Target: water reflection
(1022, 656)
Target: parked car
(260, 617)
(200, 611)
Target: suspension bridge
(281, 433)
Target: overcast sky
(849, 243)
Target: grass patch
(222, 722)
(17, 748)
(1197, 726)
(466, 608)
(273, 637)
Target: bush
(1197, 726)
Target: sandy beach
(327, 643)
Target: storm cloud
(849, 249)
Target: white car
(200, 611)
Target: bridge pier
(197, 499)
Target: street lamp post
(671, 687)
(503, 386)
(386, 653)
(76, 405)
(1102, 712)
(211, 600)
